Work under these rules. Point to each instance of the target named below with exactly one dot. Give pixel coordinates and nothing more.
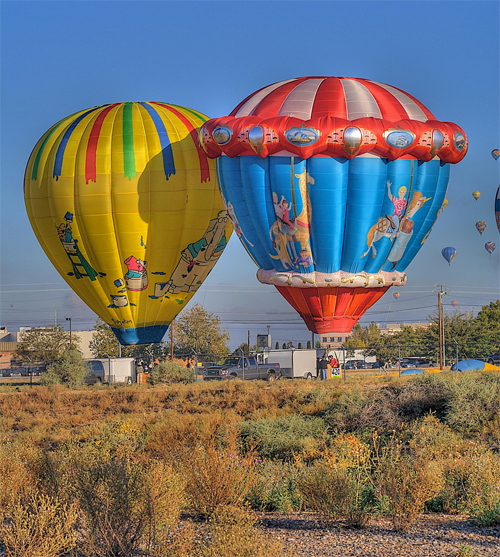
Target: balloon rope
(293, 188)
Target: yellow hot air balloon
(127, 208)
(476, 195)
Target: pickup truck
(242, 367)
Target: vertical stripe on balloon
(34, 171)
(128, 142)
(90, 156)
(166, 147)
(64, 141)
(204, 167)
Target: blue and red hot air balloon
(449, 253)
(332, 185)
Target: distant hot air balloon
(495, 153)
(454, 303)
(126, 206)
(396, 295)
(476, 195)
(490, 247)
(449, 254)
(497, 209)
(332, 184)
(480, 226)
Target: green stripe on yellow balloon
(38, 156)
(194, 112)
(128, 142)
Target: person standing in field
(382, 366)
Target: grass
(110, 469)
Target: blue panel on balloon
(141, 335)
(329, 214)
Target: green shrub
(284, 437)
(473, 401)
(275, 488)
(70, 368)
(171, 372)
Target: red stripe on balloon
(90, 156)
(204, 167)
(330, 100)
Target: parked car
(493, 358)
(357, 364)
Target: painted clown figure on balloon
(335, 184)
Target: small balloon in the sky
(476, 195)
(396, 295)
(480, 226)
(449, 253)
(454, 303)
(495, 153)
(497, 208)
(490, 247)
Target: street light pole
(440, 293)
(70, 343)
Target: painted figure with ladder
(81, 267)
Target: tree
(487, 325)
(299, 345)
(277, 345)
(69, 368)
(243, 348)
(45, 344)
(197, 331)
(104, 344)
(308, 344)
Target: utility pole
(172, 341)
(442, 346)
(70, 344)
(248, 344)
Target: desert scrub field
(112, 470)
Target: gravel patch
(436, 535)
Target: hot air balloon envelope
(449, 254)
(454, 303)
(497, 209)
(495, 153)
(332, 185)
(480, 226)
(396, 295)
(476, 195)
(490, 247)
(126, 206)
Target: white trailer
(295, 363)
(114, 370)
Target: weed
(234, 533)
(405, 483)
(465, 550)
(37, 525)
(217, 475)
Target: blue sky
(60, 57)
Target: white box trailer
(295, 363)
(114, 370)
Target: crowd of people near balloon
(331, 184)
